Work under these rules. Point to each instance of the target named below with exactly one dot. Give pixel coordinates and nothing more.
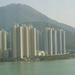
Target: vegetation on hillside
(18, 13)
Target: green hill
(20, 13)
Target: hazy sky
(60, 10)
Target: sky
(60, 10)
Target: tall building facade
(45, 41)
(3, 40)
(53, 41)
(14, 41)
(23, 41)
(33, 41)
(37, 39)
(26, 41)
(61, 45)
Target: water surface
(58, 67)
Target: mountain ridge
(20, 13)
(24, 14)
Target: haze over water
(58, 67)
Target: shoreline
(39, 58)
